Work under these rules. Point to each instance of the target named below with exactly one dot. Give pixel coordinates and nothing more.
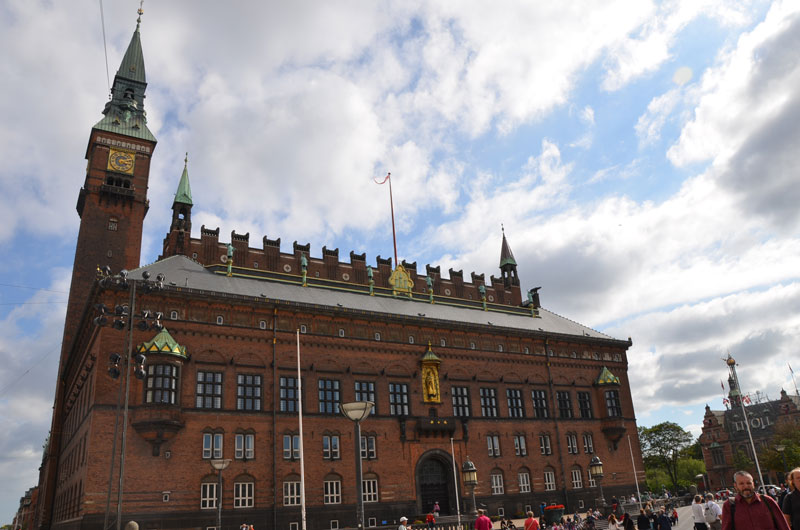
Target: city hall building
(459, 369)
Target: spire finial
(186, 160)
(502, 228)
(141, 12)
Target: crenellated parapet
(326, 265)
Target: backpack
(708, 513)
(733, 513)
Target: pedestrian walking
(483, 522)
(713, 513)
(531, 523)
(403, 521)
(751, 510)
(699, 514)
(791, 502)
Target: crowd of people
(747, 510)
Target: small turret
(508, 265)
(180, 229)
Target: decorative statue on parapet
(533, 301)
(304, 267)
(230, 259)
(482, 291)
(371, 280)
(429, 283)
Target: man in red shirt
(531, 523)
(751, 510)
(483, 522)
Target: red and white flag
(384, 180)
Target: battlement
(209, 250)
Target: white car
(765, 489)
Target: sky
(642, 157)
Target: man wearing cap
(403, 521)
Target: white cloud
(648, 127)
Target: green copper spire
(184, 193)
(506, 256)
(606, 378)
(163, 343)
(125, 114)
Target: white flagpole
(455, 482)
(300, 422)
(635, 477)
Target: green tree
(787, 436)
(662, 445)
(694, 451)
(688, 469)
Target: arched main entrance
(435, 483)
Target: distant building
(724, 435)
(26, 514)
(456, 367)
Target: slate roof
(183, 272)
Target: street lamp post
(220, 464)
(781, 448)
(596, 469)
(356, 412)
(470, 475)
(123, 321)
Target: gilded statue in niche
(430, 384)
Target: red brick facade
(517, 392)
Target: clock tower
(113, 201)
(112, 204)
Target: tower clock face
(121, 161)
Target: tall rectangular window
(493, 442)
(613, 404)
(549, 481)
(291, 447)
(208, 495)
(243, 495)
(717, 456)
(209, 390)
(291, 493)
(520, 447)
(572, 444)
(460, 396)
(524, 479)
(585, 405)
(539, 404)
(592, 481)
(398, 399)
(212, 445)
(329, 396)
(588, 443)
(369, 489)
(497, 484)
(365, 391)
(544, 444)
(368, 447)
(162, 383)
(515, 406)
(288, 394)
(332, 492)
(488, 402)
(248, 392)
(245, 446)
(330, 447)
(577, 479)
(564, 404)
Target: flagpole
(793, 380)
(635, 478)
(391, 206)
(300, 422)
(455, 481)
(732, 366)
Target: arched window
(243, 491)
(577, 477)
(549, 479)
(497, 481)
(332, 489)
(369, 487)
(524, 480)
(208, 492)
(291, 490)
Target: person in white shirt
(698, 513)
(713, 508)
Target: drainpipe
(555, 421)
(274, 420)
